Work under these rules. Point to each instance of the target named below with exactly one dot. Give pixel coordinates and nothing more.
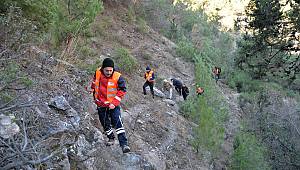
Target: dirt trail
(160, 135)
(232, 125)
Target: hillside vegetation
(249, 119)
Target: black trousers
(179, 89)
(111, 118)
(184, 94)
(147, 83)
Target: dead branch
(289, 120)
(16, 88)
(4, 143)
(25, 137)
(30, 162)
(4, 105)
(18, 106)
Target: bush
(186, 50)
(201, 109)
(142, 25)
(273, 117)
(209, 134)
(16, 30)
(13, 74)
(12, 78)
(243, 82)
(60, 18)
(125, 61)
(70, 19)
(9, 73)
(248, 153)
(37, 11)
(131, 17)
(5, 97)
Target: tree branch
(18, 106)
(32, 162)
(25, 136)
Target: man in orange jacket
(217, 72)
(149, 76)
(109, 87)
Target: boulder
(8, 128)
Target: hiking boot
(110, 142)
(125, 149)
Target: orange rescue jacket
(106, 89)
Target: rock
(60, 103)
(170, 102)
(169, 113)
(134, 161)
(157, 92)
(39, 112)
(98, 136)
(60, 126)
(75, 121)
(140, 121)
(71, 112)
(154, 160)
(82, 145)
(5, 120)
(65, 164)
(84, 151)
(151, 121)
(8, 128)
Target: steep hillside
(58, 127)
(64, 117)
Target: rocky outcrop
(8, 128)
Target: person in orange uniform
(109, 87)
(217, 72)
(199, 91)
(149, 76)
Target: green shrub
(131, 17)
(17, 29)
(248, 153)
(60, 18)
(142, 25)
(9, 74)
(13, 74)
(209, 111)
(243, 82)
(186, 50)
(209, 134)
(71, 19)
(125, 61)
(26, 81)
(5, 97)
(37, 11)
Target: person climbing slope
(109, 87)
(150, 79)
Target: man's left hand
(111, 106)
